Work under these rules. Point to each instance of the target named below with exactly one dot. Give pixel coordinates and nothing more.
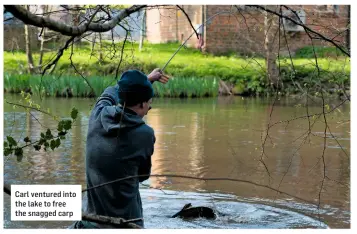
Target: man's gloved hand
(157, 75)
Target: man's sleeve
(145, 164)
(110, 97)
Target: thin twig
(59, 55)
(122, 52)
(78, 72)
(198, 178)
(29, 107)
(189, 20)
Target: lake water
(212, 137)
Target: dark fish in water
(195, 212)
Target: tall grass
(187, 87)
(16, 83)
(57, 86)
(76, 86)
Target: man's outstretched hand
(157, 75)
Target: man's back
(119, 144)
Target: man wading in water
(120, 144)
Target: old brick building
(244, 30)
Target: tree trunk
(76, 18)
(270, 29)
(348, 35)
(100, 48)
(93, 44)
(41, 47)
(43, 36)
(142, 31)
(28, 47)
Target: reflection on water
(212, 138)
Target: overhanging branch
(28, 18)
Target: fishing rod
(222, 12)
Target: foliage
(48, 139)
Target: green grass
(246, 72)
(57, 86)
(320, 51)
(76, 86)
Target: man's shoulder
(146, 129)
(145, 133)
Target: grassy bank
(190, 67)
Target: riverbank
(194, 73)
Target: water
(215, 137)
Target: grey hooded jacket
(119, 144)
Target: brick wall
(170, 24)
(243, 32)
(227, 32)
(230, 33)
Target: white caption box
(46, 202)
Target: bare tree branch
(311, 115)
(244, 18)
(75, 68)
(122, 51)
(65, 29)
(59, 54)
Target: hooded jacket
(119, 144)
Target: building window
(336, 8)
(329, 8)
